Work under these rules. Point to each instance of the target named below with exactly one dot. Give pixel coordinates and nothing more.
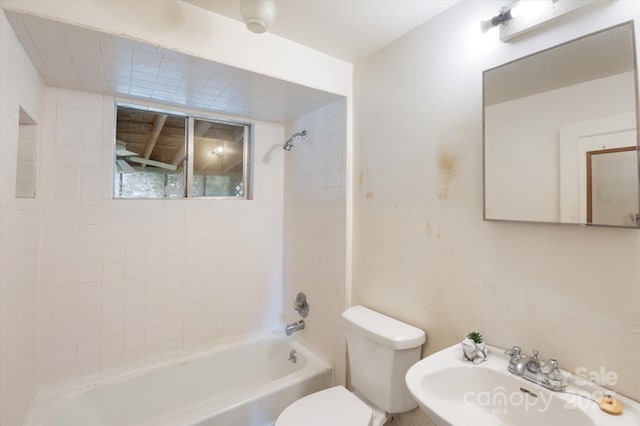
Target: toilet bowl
(335, 406)
(381, 350)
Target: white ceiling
(346, 29)
(79, 58)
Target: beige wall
(20, 86)
(314, 253)
(423, 254)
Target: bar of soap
(610, 405)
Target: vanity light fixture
(516, 9)
(522, 16)
(501, 18)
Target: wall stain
(455, 143)
(447, 164)
(429, 231)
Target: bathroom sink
(456, 392)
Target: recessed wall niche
(27, 150)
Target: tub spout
(293, 327)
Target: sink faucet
(531, 368)
(293, 327)
(525, 363)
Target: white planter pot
(474, 352)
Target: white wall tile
(134, 340)
(69, 135)
(92, 118)
(70, 98)
(88, 350)
(314, 200)
(111, 345)
(136, 270)
(88, 253)
(112, 325)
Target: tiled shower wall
(315, 230)
(20, 86)
(128, 280)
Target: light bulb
(217, 151)
(529, 8)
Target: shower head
(289, 143)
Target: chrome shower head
(289, 143)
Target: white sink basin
(456, 392)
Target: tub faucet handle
(301, 305)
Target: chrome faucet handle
(535, 355)
(554, 377)
(552, 371)
(301, 305)
(515, 353)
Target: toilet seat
(335, 406)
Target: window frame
(189, 140)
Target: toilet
(381, 350)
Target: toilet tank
(381, 350)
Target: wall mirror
(560, 134)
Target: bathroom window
(162, 154)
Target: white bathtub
(246, 384)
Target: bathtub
(245, 384)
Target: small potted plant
(474, 348)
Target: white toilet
(381, 350)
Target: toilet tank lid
(382, 329)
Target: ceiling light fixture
(258, 15)
(217, 151)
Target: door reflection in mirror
(611, 186)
